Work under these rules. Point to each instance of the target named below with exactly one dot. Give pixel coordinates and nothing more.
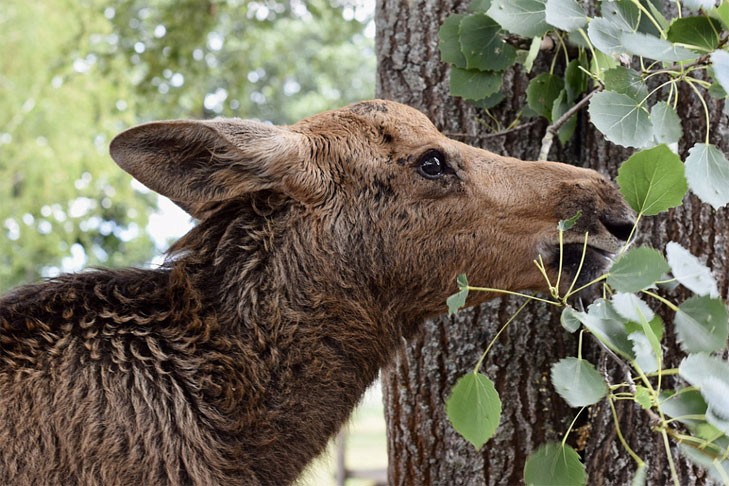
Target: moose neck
(314, 349)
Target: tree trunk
(423, 447)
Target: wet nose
(620, 228)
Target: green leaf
(621, 119)
(656, 327)
(716, 393)
(683, 403)
(721, 13)
(646, 335)
(560, 107)
(450, 44)
(554, 464)
(695, 5)
(569, 320)
(607, 326)
(643, 397)
(637, 269)
(701, 33)
(490, 101)
(666, 124)
(567, 15)
(702, 324)
(456, 301)
(652, 180)
(720, 63)
(522, 17)
(690, 272)
(605, 36)
(645, 354)
(482, 45)
(646, 25)
(462, 281)
(567, 224)
(711, 376)
(474, 408)
(541, 93)
(575, 80)
(600, 63)
(479, 5)
(626, 81)
(578, 382)
(622, 14)
(640, 475)
(716, 91)
(702, 458)
(472, 84)
(695, 368)
(707, 172)
(632, 307)
(532, 54)
(651, 47)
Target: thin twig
(554, 127)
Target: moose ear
(196, 162)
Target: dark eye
(433, 165)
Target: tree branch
(554, 127)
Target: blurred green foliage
(75, 72)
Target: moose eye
(432, 165)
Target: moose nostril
(620, 229)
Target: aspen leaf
(567, 15)
(474, 408)
(702, 324)
(578, 382)
(690, 272)
(707, 172)
(637, 269)
(652, 181)
(522, 17)
(622, 119)
(554, 464)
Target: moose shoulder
(320, 245)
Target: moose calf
(319, 246)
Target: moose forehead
(380, 123)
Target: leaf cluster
(629, 62)
(626, 323)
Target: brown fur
(319, 247)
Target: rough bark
(423, 447)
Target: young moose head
(320, 245)
(389, 205)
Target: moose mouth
(595, 262)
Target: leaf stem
(569, 429)
(667, 302)
(493, 341)
(517, 294)
(671, 465)
(588, 284)
(619, 433)
(629, 241)
(706, 108)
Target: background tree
(423, 447)
(76, 73)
